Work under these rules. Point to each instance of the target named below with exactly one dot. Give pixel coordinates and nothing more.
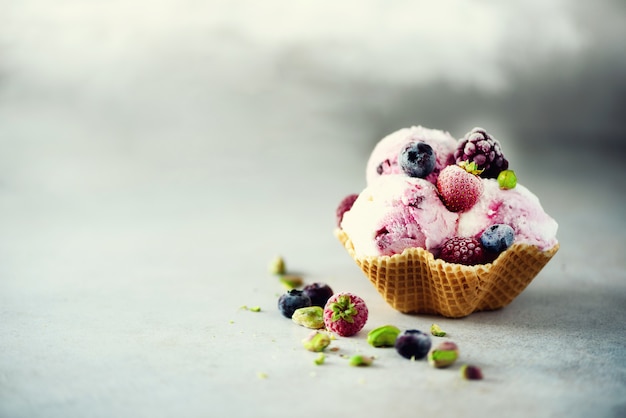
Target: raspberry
(483, 149)
(344, 206)
(463, 250)
(345, 314)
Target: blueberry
(319, 293)
(292, 300)
(497, 238)
(413, 344)
(417, 159)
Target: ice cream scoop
(384, 157)
(396, 212)
(517, 207)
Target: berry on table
(417, 159)
(413, 344)
(292, 300)
(497, 238)
(319, 293)
(345, 314)
(459, 188)
(481, 148)
(463, 250)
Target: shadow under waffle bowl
(416, 282)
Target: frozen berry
(481, 148)
(319, 293)
(345, 314)
(463, 250)
(497, 238)
(344, 206)
(292, 300)
(459, 188)
(417, 159)
(413, 344)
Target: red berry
(463, 250)
(344, 206)
(345, 314)
(459, 189)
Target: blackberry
(484, 150)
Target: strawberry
(345, 314)
(463, 250)
(459, 186)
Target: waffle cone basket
(416, 282)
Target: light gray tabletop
(155, 156)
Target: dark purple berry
(497, 238)
(319, 293)
(413, 344)
(292, 300)
(481, 148)
(463, 250)
(344, 206)
(417, 159)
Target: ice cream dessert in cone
(443, 227)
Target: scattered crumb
(255, 309)
(261, 375)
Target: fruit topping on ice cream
(459, 186)
(497, 238)
(507, 179)
(417, 159)
(484, 150)
(463, 250)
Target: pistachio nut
(310, 317)
(384, 336)
(316, 341)
(443, 355)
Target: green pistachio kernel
(359, 360)
(507, 179)
(290, 281)
(277, 265)
(316, 341)
(437, 331)
(444, 355)
(384, 336)
(310, 317)
(319, 360)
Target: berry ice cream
(517, 207)
(397, 212)
(420, 196)
(384, 157)
(443, 226)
